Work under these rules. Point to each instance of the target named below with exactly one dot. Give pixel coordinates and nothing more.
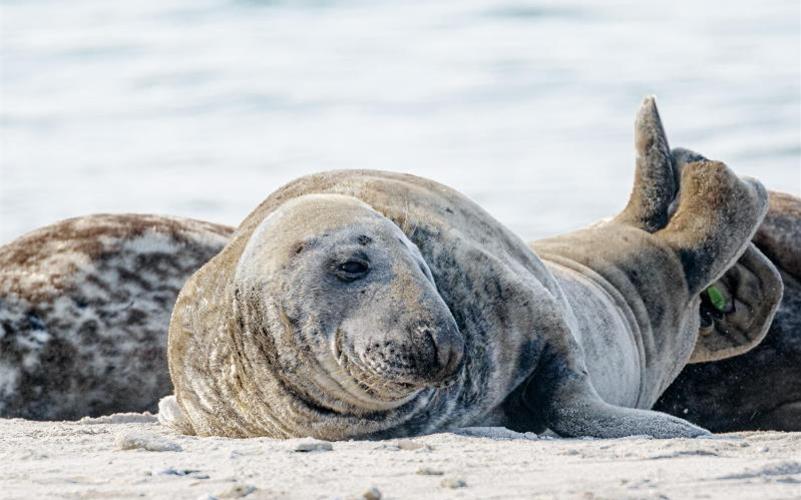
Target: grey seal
(369, 304)
(761, 389)
(84, 312)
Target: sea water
(201, 108)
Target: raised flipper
(708, 215)
(716, 217)
(703, 209)
(699, 207)
(656, 181)
(709, 221)
(737, 309)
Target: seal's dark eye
(352, 269)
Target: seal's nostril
(445, 355)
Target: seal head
(333, 311)
(359, 302)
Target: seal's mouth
(366, 379)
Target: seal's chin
(362, 389)
(376, 385)
(350, 380)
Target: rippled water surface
(203, 107)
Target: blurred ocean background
(201, 108)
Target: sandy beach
(132, 455)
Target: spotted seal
(84, 311)
(761, 389)
(369, 304)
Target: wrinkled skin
(367, 304)
(761, 389)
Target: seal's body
(366, 304)
(761, 389)
(84, 309)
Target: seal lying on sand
(759, 390)
(84, 310)
(367, 304)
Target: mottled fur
(761, 389)
(84, 309)
(263, 338)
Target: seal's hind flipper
(716, 217)
(737, 310)
(656, 180)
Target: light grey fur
(580, 337)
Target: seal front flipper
(572, 408)
(587, 415)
